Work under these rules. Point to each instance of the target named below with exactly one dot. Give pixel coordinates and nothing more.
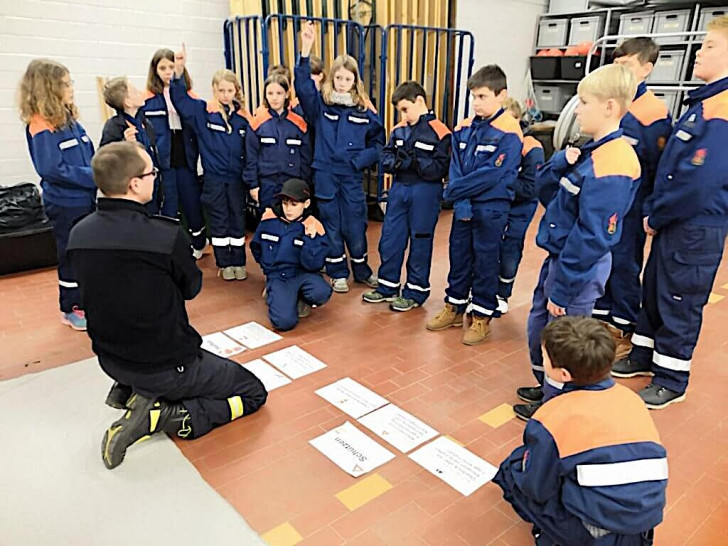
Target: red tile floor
(264, 466)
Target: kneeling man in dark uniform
(135, 272)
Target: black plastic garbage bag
(20, 206)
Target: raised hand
(572, 155)
(180, 61)
(308, 37)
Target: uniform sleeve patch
(499, 160)
(612, 227)
(699, 157)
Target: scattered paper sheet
(398, 428)
(252, 335)
(221, 345)
(352, 398)
(352, 450)
(268, 375)
(455, 465)
(294, 362)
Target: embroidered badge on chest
(699, 157)
(612, 227)
(499, 160)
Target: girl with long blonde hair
(220, 126)
(61, 152)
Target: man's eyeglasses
(154, 172)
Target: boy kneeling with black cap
(291, 245)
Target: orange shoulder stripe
(297, 120)
(259, 119)
(402, 123)
(716, 107)
(243, 113)
(616, 158)
(508, 124)
(582, 420)
(648, 109)
(440, 128)
(529, 143)
(38, 124)
(149, 95)
(312, 222)
(212, 107)
(268, 215)
(193, 94)
(467, 122)
(370, 105)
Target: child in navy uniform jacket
(220, 127)
(647, 126)
(349, 139)
(418, 155)
(277, 145)
(291, 245)
(486, 153)
(587, 194)
(591, 470)
(61, 152)
(687, 214)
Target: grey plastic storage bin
(552, 32)
(551, 99)
(671, 21)
(668, 97)
(668, 66)
(568, 6)
(636, 24)
(586, 29)
(708, 14)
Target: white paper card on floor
(352, 450)
(295, 362)
(252, 335)
(351, 397)
(455, 465)
(268, 375)
(398, 428)
(221, 345)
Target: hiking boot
(240, 273)
(447, 317)
(340, 285)
(375, 297)
(227, 273)
(76, 319)
(303, 309)
(371, 281)
(478, 332)
(403, 304)
(502, 305)
(622, 340)
(530, 394)
(526, 411)
(657, 397)
(146, 417)
(118, 396)
(629, 368)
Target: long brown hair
(154, 82)
(281, 80)
(41, 91)
(358, 94)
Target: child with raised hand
(277, 145)
(349, 139)
(291, 245)
(61, 152)
(220, 126)
(177, 150)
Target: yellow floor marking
(715, 298)
(283, 535)
(498, 416)
(363, 491)
(454, 440)
(725, 286)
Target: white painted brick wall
(97, 38)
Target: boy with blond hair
(587, 192)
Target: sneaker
(526, 411)
(227, 273)
(76, 319)
(628, 368)
(446, 318)
(623, 342)
(240, 273)
(118, 396)
(530, 394)
(376, 297)
(657, 397)
(371, 281)
(303, 309)
(198, 253)
(403, 304)
(478, 332)
(340, 285)
(502, 305)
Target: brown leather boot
(623, 341)
(446, 318)
(478, 332)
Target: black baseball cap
(296, 189)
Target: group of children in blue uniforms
(637, 177)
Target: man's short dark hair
(490, 76)
(646, 49)
(408, 91)
(581, 345)
(115, 164)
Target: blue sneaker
(76, 319)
